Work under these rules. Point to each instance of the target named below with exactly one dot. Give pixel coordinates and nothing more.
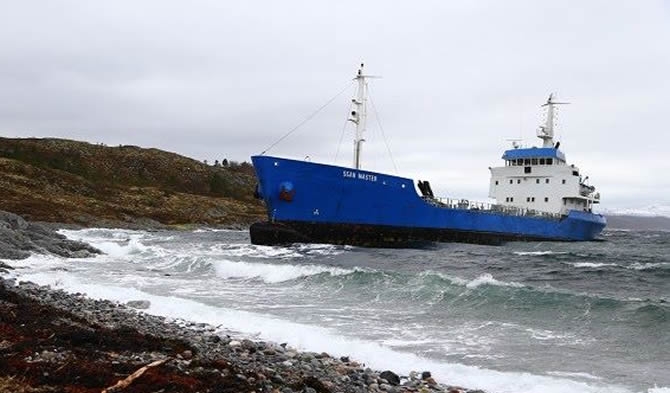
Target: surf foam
(272, 273)
(320, 339)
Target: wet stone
(390, 377)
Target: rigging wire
(344, 127)
(379, 123)
(308, 118)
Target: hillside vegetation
(57, 180)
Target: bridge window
(550, 161)
(511, 199)
(518, 181)
(546, 181)
(526, 169)
(511, 181)
(496, 182)
(527, 199)
(575, 173)
(526, 161)
(563, 181)
(541, 161)
(519, 162)
(532, 199)
(546, 199)
(537, 181)
(533, 161)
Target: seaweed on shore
(45, 349)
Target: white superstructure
(539, 178)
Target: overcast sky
(215, 79)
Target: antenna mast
(359, 114)
(546, 132)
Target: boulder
(390, 377)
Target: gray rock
(18, 238)
(390, 377)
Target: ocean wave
(208, 230)
(580, 375)
(101, 234)
(539, 253)
(487, 279)
(592, 264)
(114, 242)
(319, 339)
(481, 280)
(656, 389)
(272, 252)
(272, 273)
(649, 266)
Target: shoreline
(52, 341)
(56, 341)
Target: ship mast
(546, 132)
(359, 114)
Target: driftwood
(124, 383)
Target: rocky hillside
(66, 181)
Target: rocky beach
(53, 341)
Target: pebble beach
(54, 341)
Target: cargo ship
(535, 196)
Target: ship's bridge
(534, 156)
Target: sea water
(522, 317)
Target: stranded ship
(536, 196)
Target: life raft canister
(286, 191)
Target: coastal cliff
(72, 182)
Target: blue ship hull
(317, 203)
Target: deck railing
(485, 207)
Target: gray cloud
(215, 79)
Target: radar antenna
(515, 142)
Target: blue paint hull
(310, 202)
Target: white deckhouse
(539, 178)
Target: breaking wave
(272, 273)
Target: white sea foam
(656, 389)
(120, 249)
(592, 264)
(101, 234)
(483, 279)
(272, 273)
(405, 343)
(539, 253)
(205, 230)
(257, 251)
(320, 339)
(254, 251)
(647, 266)
(579, 375)
(487, 279)
(113, 242)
